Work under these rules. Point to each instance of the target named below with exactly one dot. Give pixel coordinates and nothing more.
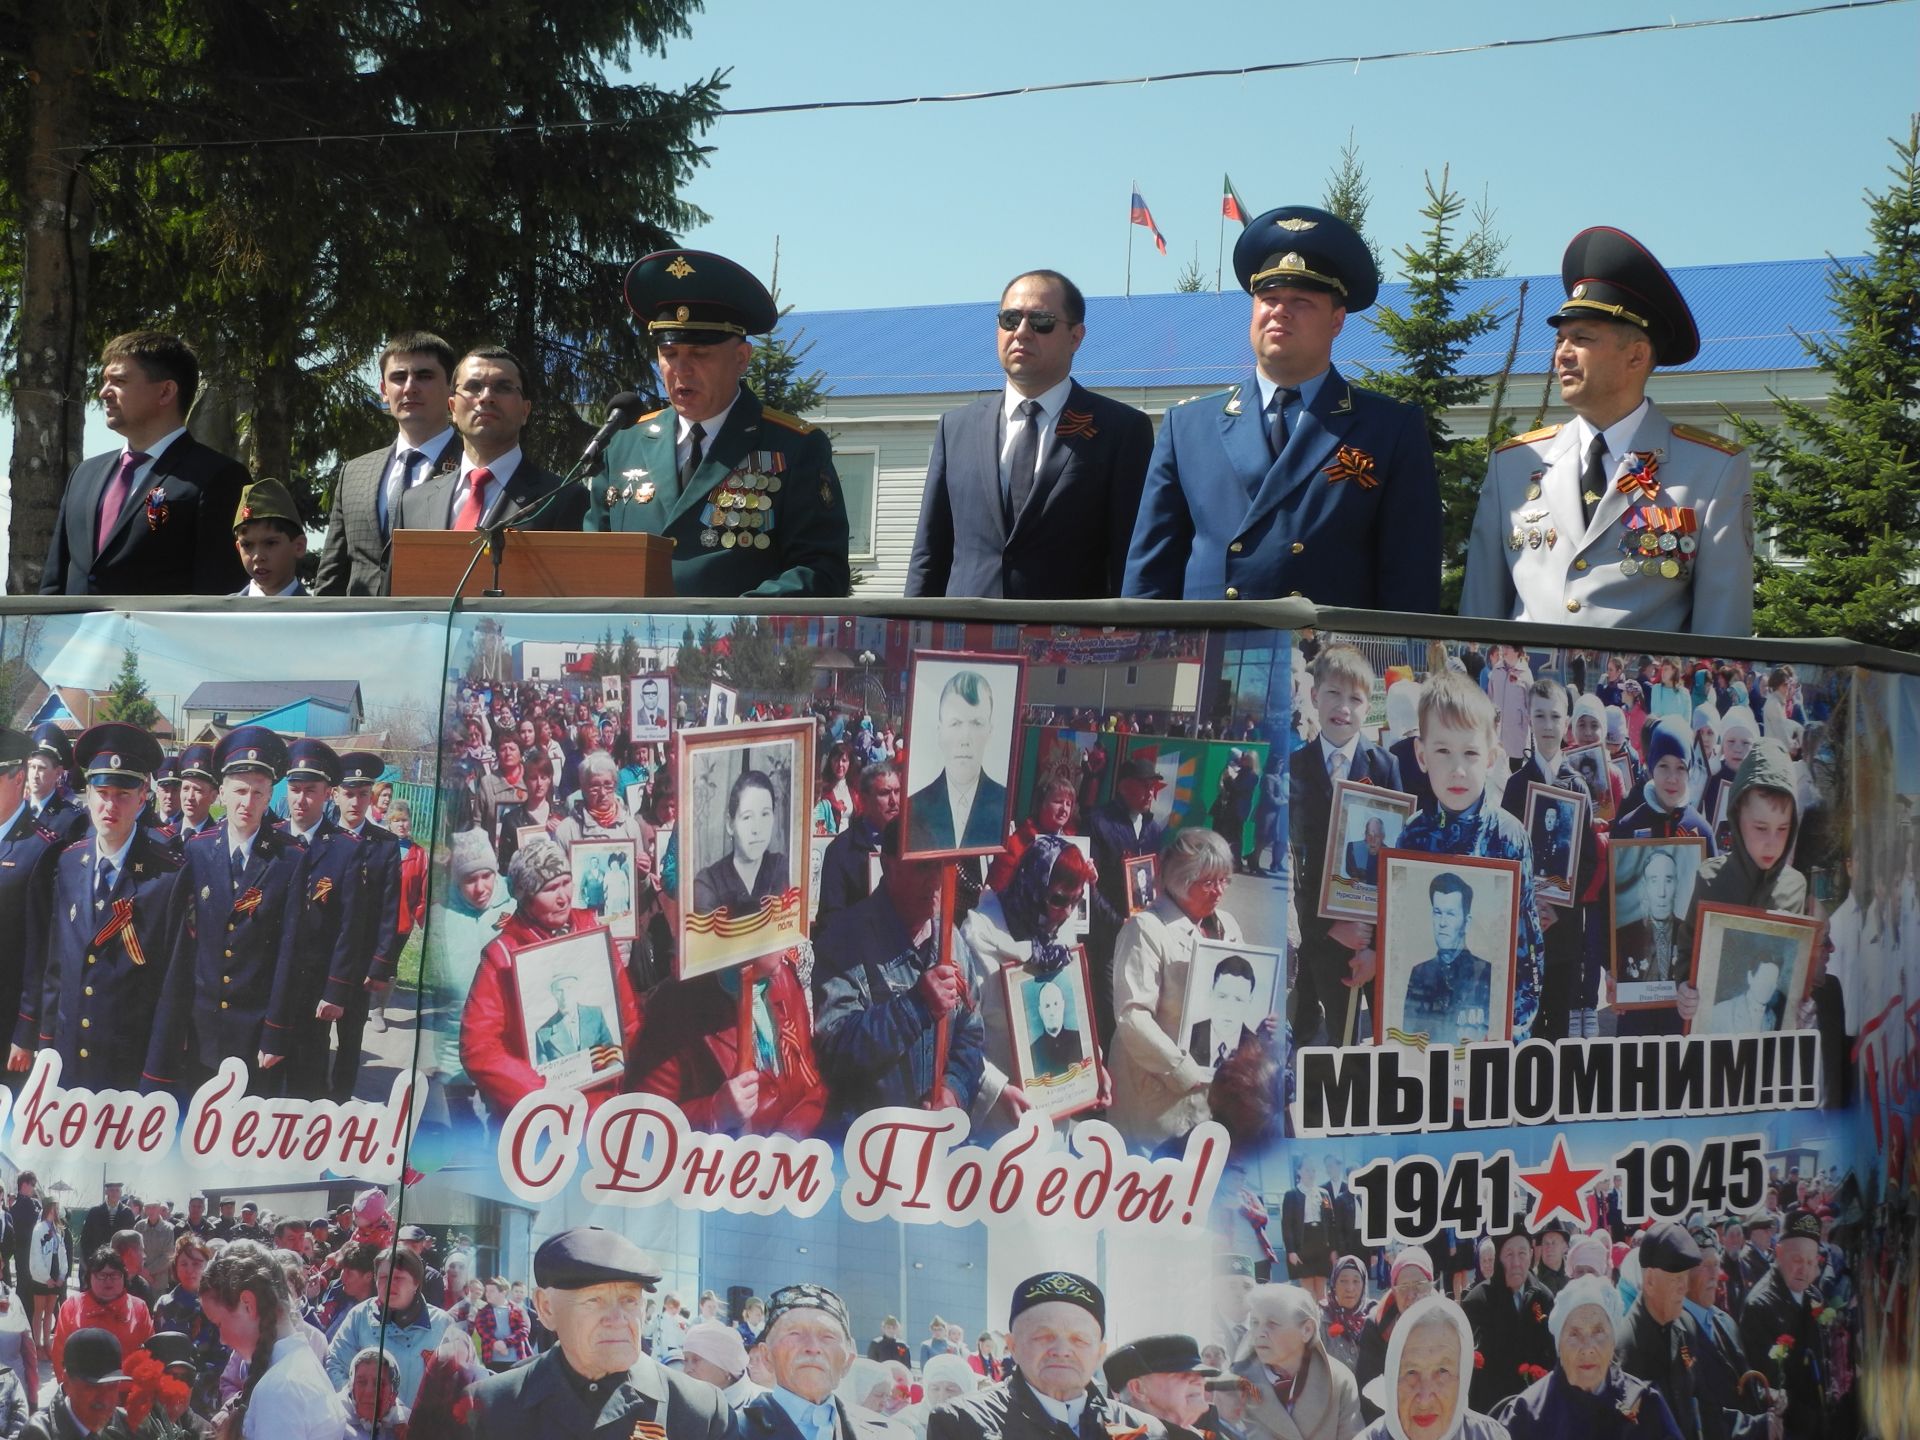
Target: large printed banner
(1371, 966)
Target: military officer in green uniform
(748, 495)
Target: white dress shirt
(153, 453)
(1051, 403)
(500, 470)
(710, 427)
(1619, 437)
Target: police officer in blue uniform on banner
(48, 764)
(1620, 518)
(24, 845)
(1293, 482)
(97, 935)
(224, 922)
(747, 494)
(374, 952)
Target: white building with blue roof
(894, 372)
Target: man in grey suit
(416, 381)
(494, 479)
(1032, 490)
(591, 1292)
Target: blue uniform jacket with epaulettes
(227, 936)
(1347, 514)
(323, 960)
(766, 476)
(95, 964)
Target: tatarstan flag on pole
(1143, 216)
(1230, 205)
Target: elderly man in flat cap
(1163, 1376)
(591, 1290)
(1780, 1329)
(1620, 517)
(1059, 1323)
(1658, 1338)
(807, 1348)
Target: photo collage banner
(916, 958)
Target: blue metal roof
(1750, 317)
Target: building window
(956, 634)
(859, 472)
(1133, 674)
(1060, 676)
(1006, 637)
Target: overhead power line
(1010, 92)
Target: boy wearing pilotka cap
(271, 541)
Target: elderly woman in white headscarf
(1159, 1089)
(946, 1377)
(1587, 1395)
(1299, 1391)
(1423, 1392)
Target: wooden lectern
(536, 564)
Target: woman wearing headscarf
(1300, 1392)
(493, 1032)
(1159, 1090)
(1410, 1280)
(1343, 1314)
(1587, 1396)
(1053, 814)
(1422, 1394)
(1020, 925)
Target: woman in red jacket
(493, 1044)
(689, 1052)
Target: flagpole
(1130, 195)
(1220, 254)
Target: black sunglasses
(1042, 321)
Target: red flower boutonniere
(1336, 1328)
(157, 508)
(1355, 464)
(1640, 472)
(1479, 1361)
(1076, 423)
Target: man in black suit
(416, 382)
(963, 807)
(1229, 1002)
(156, 518)
(591, 1292)
(494, 479)
(1032, 491)
(1056, 1049)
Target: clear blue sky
(1733, 143)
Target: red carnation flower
(1479, 1361)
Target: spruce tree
(127, 699)
(1838, 485)
(1430, 338)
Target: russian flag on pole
(1143, 216)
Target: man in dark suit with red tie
(156, 518)
(1032, 490)
(494, 478)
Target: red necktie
(473, 503)
(116, 495)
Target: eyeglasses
(1058, 901)
(1042, 321)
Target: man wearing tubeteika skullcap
(1293, 482)
(806, 1347)
(590, 1289)
(1621, 517)
(747, 494)
(1781, 1326)
(1058, 1333)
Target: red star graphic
(1559, 1186)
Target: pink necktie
(472, 504)
(115, 497)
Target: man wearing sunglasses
(1294, 482)
(1032, 489)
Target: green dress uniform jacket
(766, 476)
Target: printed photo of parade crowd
(849, 914)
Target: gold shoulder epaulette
(790, 422)
(1543, 433)
(651, 413)
(1707, 438)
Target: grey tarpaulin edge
(1114, 614)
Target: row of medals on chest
(1667, 555)
(740, 512)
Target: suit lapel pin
(645, 492)
(612, 495)
(1346, 404)
(1076, 422)
(73, 913)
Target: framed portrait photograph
(1447, 930)
(745, 862)
(1056, 1054)
(569, 1009)
(1557, 829)
(723, 705)
(963, 713)
(610, 690)
(650, 709)
(1650, 890)
(526, 833)
(1143, 882)
(636, 797)
(816, 860)
(1590, 763)
(1075, 926)
(605, 877)
(1363, 825)
(1230, 990)
(1751, 968)
(1722, 825)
